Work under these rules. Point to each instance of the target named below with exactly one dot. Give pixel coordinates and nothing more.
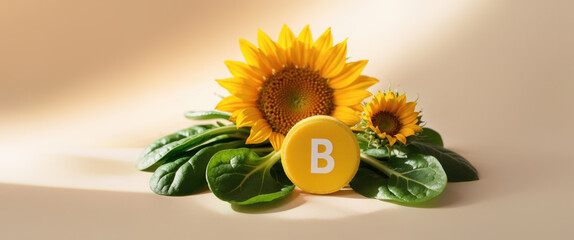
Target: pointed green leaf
(416, 178)
(240, 176)
(169, 139)
(156, 156)
(377, 152)
(205, 115)
(456, 167)
(429, 136)
(186, 174)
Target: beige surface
(84, 86)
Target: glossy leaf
(204, 115)
(416, 178)
(174, 137)
(186, 174)
(430, 136)
(153, 159)
(457, 168)
(181, 134)
(240, 176)
(377, 152)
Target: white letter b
(315, 155)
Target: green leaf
(430, 136)
(240, 176)
(150, 160)
(377, 152)
(456, 167)
(186, 174)
(416, 178)
(174, 137)
(204, 115)
(181, 134)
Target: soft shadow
(291, 201)
(449, 198)
(346, 192)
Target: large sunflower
(391, 117)
(284, 82)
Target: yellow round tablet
(320, 154)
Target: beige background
(85, 85)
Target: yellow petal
(407, 108)
(276, 140)
(250, 53)
(402, 99)
(242, 70)
(401, 138)
(332, 62)
(286, 37)
(390, 95)
(408, 117)
(325, 41)
(233, 116)
(391, 102)
(240, 88)
(358, 107)
(248, 117)
(392, 140)
(372, 107)
(259, 132)
(379, 133)
(380, 96)
(305, 37)
(417, 128)
(350, 97)
(266, 66)
(380, 103)
(233, 103)
(346, 115)
(411, 123)
(363, 82)
(270, 49)
(298, 54)
(351, 71)
(407, 131)
(394, 106)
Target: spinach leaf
(181, 134)
(159, 155)
(186, 174)
(377, 152)
(456, 167)
(204, 115)
(430, 136)
(240, 176)
(416, 178)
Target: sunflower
(289, 80)
(391, 117)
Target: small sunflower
(287, 81)
(392, 117)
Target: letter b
(315, 155)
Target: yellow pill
(320, 155)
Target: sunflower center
(293, 94)
(386, 122)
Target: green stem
(378, 165)
(262, 149)
(273, 157)
(209, 134)
(204, 115)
